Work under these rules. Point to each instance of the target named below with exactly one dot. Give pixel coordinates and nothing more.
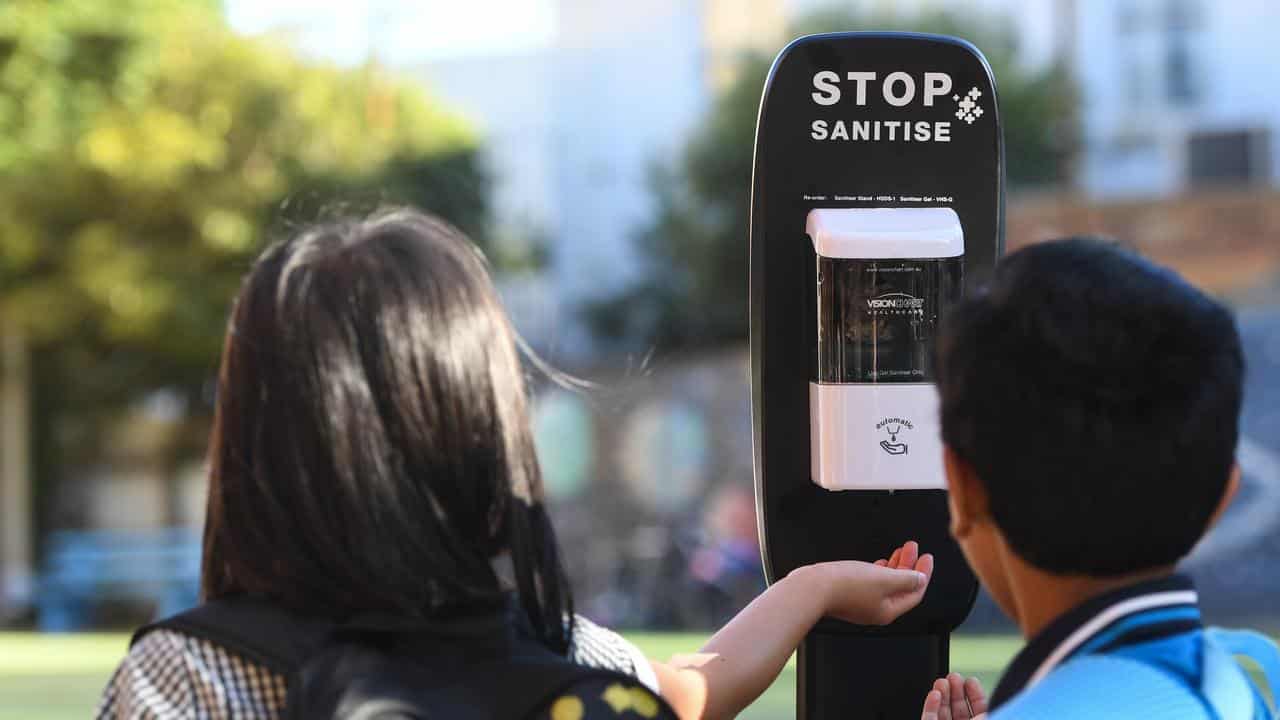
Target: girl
(372, 452)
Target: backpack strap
(273, 638)
(1223, 683)
(1252, 645)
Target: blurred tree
(146, 152)
(695, 288)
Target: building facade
(1177, 95)
(575, 131)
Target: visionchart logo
(896, 303)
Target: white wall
(508, 98)
(629, 88)
(1032, 21)
(572, 133)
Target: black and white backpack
(488, 667)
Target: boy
(1090, 407)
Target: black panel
(952, 157)
(873, 690)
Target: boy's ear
(1228, 494)
(965, 494)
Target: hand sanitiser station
(877, 197)
(882, 276)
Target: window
(1228, 157)
(1180, 86)
(1182, 22)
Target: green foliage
(695, 292)
(145, 153)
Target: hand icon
(894, 448)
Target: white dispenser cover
(875, 436)
(879, 233)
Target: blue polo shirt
(1156, 622)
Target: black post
(850, 123)
(890, 683)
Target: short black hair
(1097, 397)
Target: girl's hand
(741, 660)
(874, 593)
(954, 698)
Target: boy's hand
(954, 698)
(876, 593)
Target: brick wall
(1227, 242)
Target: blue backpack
(1114, 687)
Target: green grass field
(58, 677)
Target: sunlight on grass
(28, 654)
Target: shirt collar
(1093, 620)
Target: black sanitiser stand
(863, 138)
(896, 679)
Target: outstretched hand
(877, 593)
(955, 698)
(741, 660)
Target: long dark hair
(371, 449)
